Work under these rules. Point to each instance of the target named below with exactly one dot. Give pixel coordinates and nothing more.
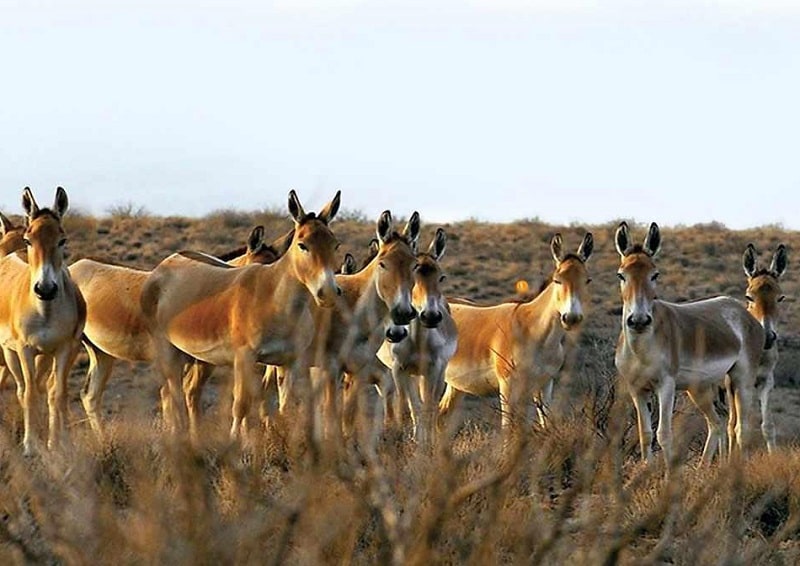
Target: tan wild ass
(42, 313)
(689, 346)
(517, 349)
(117, 330)
(348, 337)
(763, 295)
(11, 240)
(419, 362)
(242, 316)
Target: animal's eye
(781, 298)
(557, 281)
(62, 241)
(442, 278)
(749, 298)
(302, 246)
(382, 265)
(620, 276)
(338, 245)
(26, 241)
(588, 280)
(654, 276)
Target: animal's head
(638, 275)
(571, 279)
(764, 289)
(313, 249)
(45, 239)
(12, 237)
(258, 251)
(396, 260)
(428, 278)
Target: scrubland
(575, 492)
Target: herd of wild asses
(293, 315)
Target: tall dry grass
(573, 493)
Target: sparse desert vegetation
(572, 493)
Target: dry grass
(574, 493)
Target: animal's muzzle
(45, 291)
(396, 334)
(570, 319)
(403, 315)
(639, 323)
(430, 319)
(770, 339)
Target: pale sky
(569, 110)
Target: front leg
(57, 393)
(246, 383)
(666, 403)
(644, 423)
(29, 398)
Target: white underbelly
(476, 380)
(709, 370)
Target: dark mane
(572, 255)
(636, 249)
(45, 212)
(233, 254)
(396, 236)
(764, 271)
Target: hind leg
(195, 379)
(703, 398)
(100, 366)
(741, 384)
(170, 362)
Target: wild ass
(517, 348)
(117, 330)
(42, 313)
(242, 316)
(690, 346)
(419, 362)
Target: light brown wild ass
(690, 346)
(117, 330)
(11, 240)
(242, 316)
(42, 313)
(419, 362)
(763, 297)
(348, 337)
(518, 349)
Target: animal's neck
(540, 315)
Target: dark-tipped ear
(256, 239)
(5, 224)
(374, 248)
(622, 239)
(61, 204)
(557, 247)
(295, 208)
(330, 209)
(282, 244)
(780, 260)
(348, 264)
(749, 260)
(411, 231)
(652, 242)
(586, 247)
(29, 203)
(438, 245)
(384, 226)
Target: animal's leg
(644, 423)
(703, 398)
(448, 404)
(767, 424)
(666, 403)
(100, 366)
(195, 379)
(245, 388)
